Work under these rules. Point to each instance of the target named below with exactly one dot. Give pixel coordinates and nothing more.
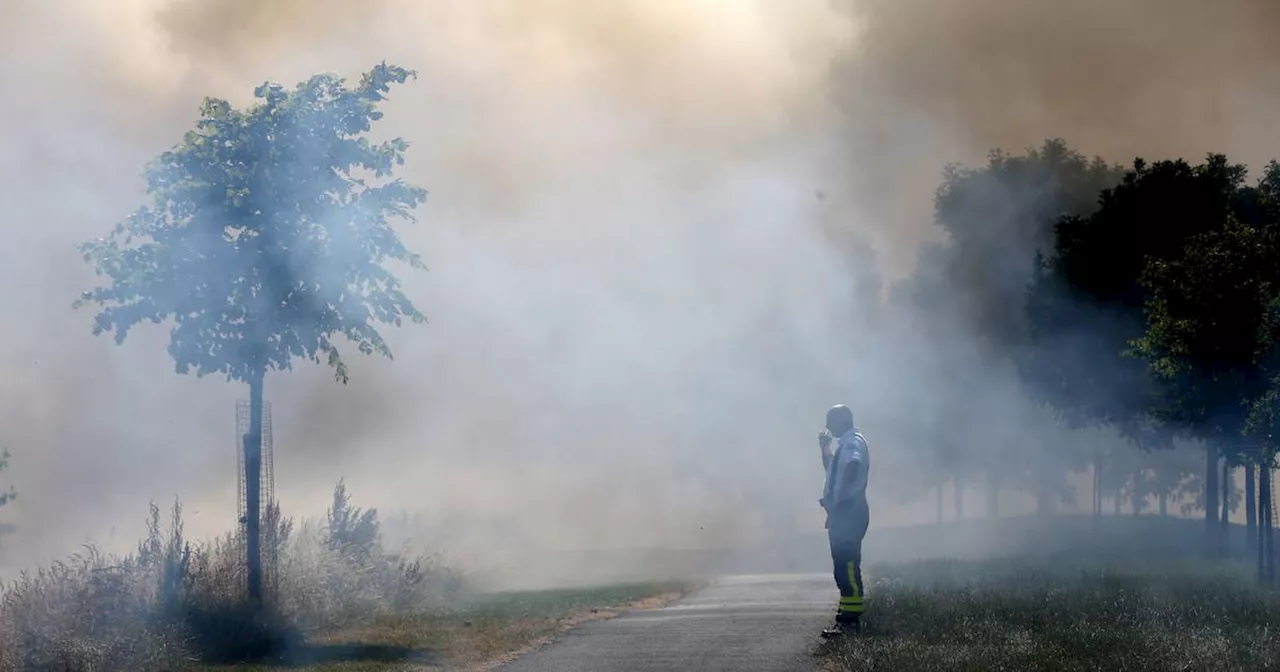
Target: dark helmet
(839, 416)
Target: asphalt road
(759, 623)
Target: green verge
(1057, 615)
(490, 627)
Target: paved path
(756, 623)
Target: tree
(9, 495)
(996, 217)
(264, 240)
(1263, 425)
(1089, 305)
(1207, 320)
(1175, 474)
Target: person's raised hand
(824, 438)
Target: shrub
(172, 603)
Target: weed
(172, 603)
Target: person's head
(839, 419)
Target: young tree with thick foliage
(1092, 303)
(8, 495)
(997, 216)
(265, 240)
(1263, 425)
(1209, 334)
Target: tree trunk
(1250, 505)
(1266, 555)
(1044, 500)
(1097, 484)
(940, 484)
(993, 495)
(253, 490)
(959, 493)
(1224, 536)
(1115, 501)
(1164, 504)
(1211, 523)
(1227, 483)
(1269, 533)
(1261, 549)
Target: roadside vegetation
(338, 600)
(1063, 614)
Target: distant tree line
(1144, 299)
(6, 495)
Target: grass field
(341, 601)
(487, 630)
(1050, 614)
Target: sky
(637, 236)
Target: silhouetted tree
(1263, 425)
(265, 240)
(1207, 315)
(7, 495)
(996, 218)
(1090, 307)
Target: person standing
(844, 497)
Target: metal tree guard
(267, 506)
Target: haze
(641, 222)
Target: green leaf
(259, 243)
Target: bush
(172, 603)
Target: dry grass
(1049, 614)
(477, 634)
(340, 602)
(172, 604)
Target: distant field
(486, 630)
(1065, 613)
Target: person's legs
(845, 536)
(858, 531)
(842, 561)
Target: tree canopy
(972, 286)
(266, 238)
(7, 495)
(1145, 299)
(266, 233)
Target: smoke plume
(642, 224)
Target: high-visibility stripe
(852, 604)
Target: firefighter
(844, 497)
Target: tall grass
(172, 603)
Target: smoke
(934, 82)
(639, 304)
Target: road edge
(581, 618)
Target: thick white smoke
(640, 306)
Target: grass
(486, 629)
(1054, 614)
(339, 601)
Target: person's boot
(847, 625)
